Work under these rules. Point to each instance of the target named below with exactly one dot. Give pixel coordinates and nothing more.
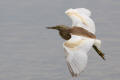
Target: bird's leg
(100, 53)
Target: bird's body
(80, 38)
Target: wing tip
(73, 74)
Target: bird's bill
(51, 27)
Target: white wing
(76, 53)
(81, 17)
(84, 11)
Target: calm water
(28, 51)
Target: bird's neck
(65, 34)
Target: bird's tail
(100, 53)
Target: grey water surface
(28, 51)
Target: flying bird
(80, 38)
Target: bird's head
(64, 31)
(59, 27)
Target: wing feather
(81, 17)
(76, 57)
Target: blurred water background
(28, 51)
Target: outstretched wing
(81, 18)
(85, 15)
(76, 53)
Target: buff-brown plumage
(79, 31)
